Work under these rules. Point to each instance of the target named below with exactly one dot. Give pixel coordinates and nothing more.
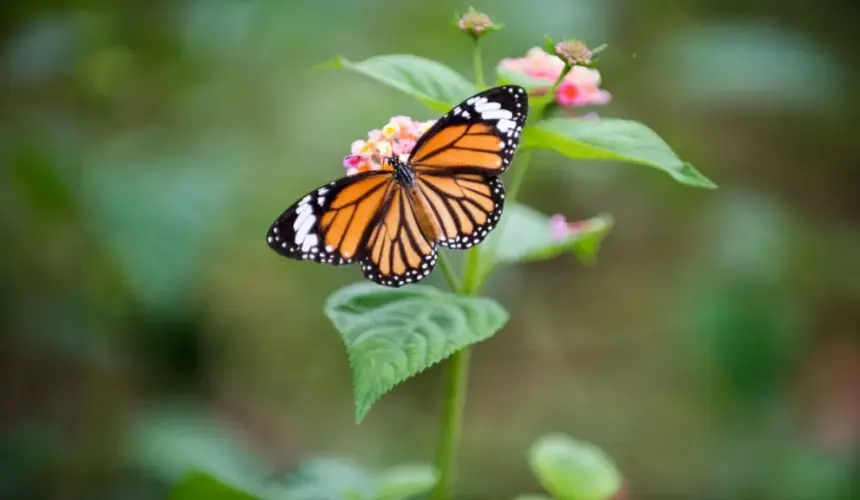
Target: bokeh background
(712, 351)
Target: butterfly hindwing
(330, 224)
(466, 206)
(479, 135)
(398, 252)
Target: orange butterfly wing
(399, 251)
(480, 135)
(330, 224)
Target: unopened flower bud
(573, 53)
(476, 23)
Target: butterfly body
(446, 193)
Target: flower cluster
(580, 87)
(396, 138)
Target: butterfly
(447, 193)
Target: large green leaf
(573, 470)
(392, 334)
(201, 486)
(612, 139)
(524, 234)
(434, 84)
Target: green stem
(550, 96)
(448, 272)
(479, 67)
(452, 422)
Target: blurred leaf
(573, 470)
(174, 442)
(434, 84)
(612, 139)
(524, 235)
(200, 486)
(405, 481)
(532, 496)
(155, 213)
(329, 478)
(393, 334)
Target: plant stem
(479, 67)
(452, 423)
(448, 272)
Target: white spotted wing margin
(297, 232)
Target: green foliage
(201, 486)
(524, 235)
(330, 478)
(573, 470)
(405, 481)
(338, 480)
(393, 334)
(434, 84)
(612, 139)
(174, 442)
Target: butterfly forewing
(330, 224)
(479, 135)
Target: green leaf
(573, 470)
(392, 334)
(200, 486)
(612, 139)
(329, 478)
(174, 441)
(532, 496)
(405, 481)
(434, 84)
(524, 235)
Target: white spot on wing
(309, 242)
(487, 106)
(498, 114)
(505, 125)
(305, 227)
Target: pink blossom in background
(397, 137)
(580, 87)
(560, 228)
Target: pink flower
(580, 87)
(396, 138)
(561, 229)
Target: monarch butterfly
(447, 192)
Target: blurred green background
(146, 146)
